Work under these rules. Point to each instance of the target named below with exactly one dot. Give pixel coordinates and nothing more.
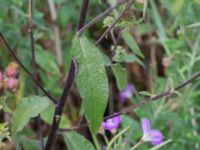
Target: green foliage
(132, 43)
(47, 116)
(91, 81)
(75, 141)
(28, 108)
(120, 75)
(4, 133)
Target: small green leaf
(75, 141)
(91, 80)
(132, 43)
(145, 93)
(120, 75)
(28, 108)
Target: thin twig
(99, 17)
(143, 102)
(25, 69)
(35, 74)
(58, 48)
(60, 106)
(128, 5)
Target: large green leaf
(75, 141)
(28, 108)
(91, 81)
(132, 43)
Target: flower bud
(12, 84)
(12, 70)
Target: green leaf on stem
(27, 108)
(91, 80)
(120, 75)
(132, 43)
(76, 141)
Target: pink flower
(12, 84)
(12, 70)
(126, 93)
(152, 135)
(112, 124)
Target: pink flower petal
(146, 126)
(156, 137)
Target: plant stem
(143, 102)
(128, 5)
(161, 145)
(136, 145)
(83, 14)
(96, 142)
(57, 42)
(35, 74)
(60, 106)
(25, 69)
(100, 16)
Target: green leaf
(132, 43)
(120, 75)
(145, 93)
(46, 61)
(91, 80)
(28, 108)
(47, 116)
(75, 141)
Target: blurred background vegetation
(169, 39)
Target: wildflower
(112, 124)
(12, 70)
(151, 135)
(126, 93)
(12, 84)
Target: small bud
(12, 70)
(12, 84)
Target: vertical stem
(60, 106)
(83, 14)
(96, 142)
(57, 42)
(30, 30)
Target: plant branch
(35, 74)
(58, 48)
(25, 69)
(83, 14)
(99, 17)
(60, 106)
(143, 102)
(128, 5)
